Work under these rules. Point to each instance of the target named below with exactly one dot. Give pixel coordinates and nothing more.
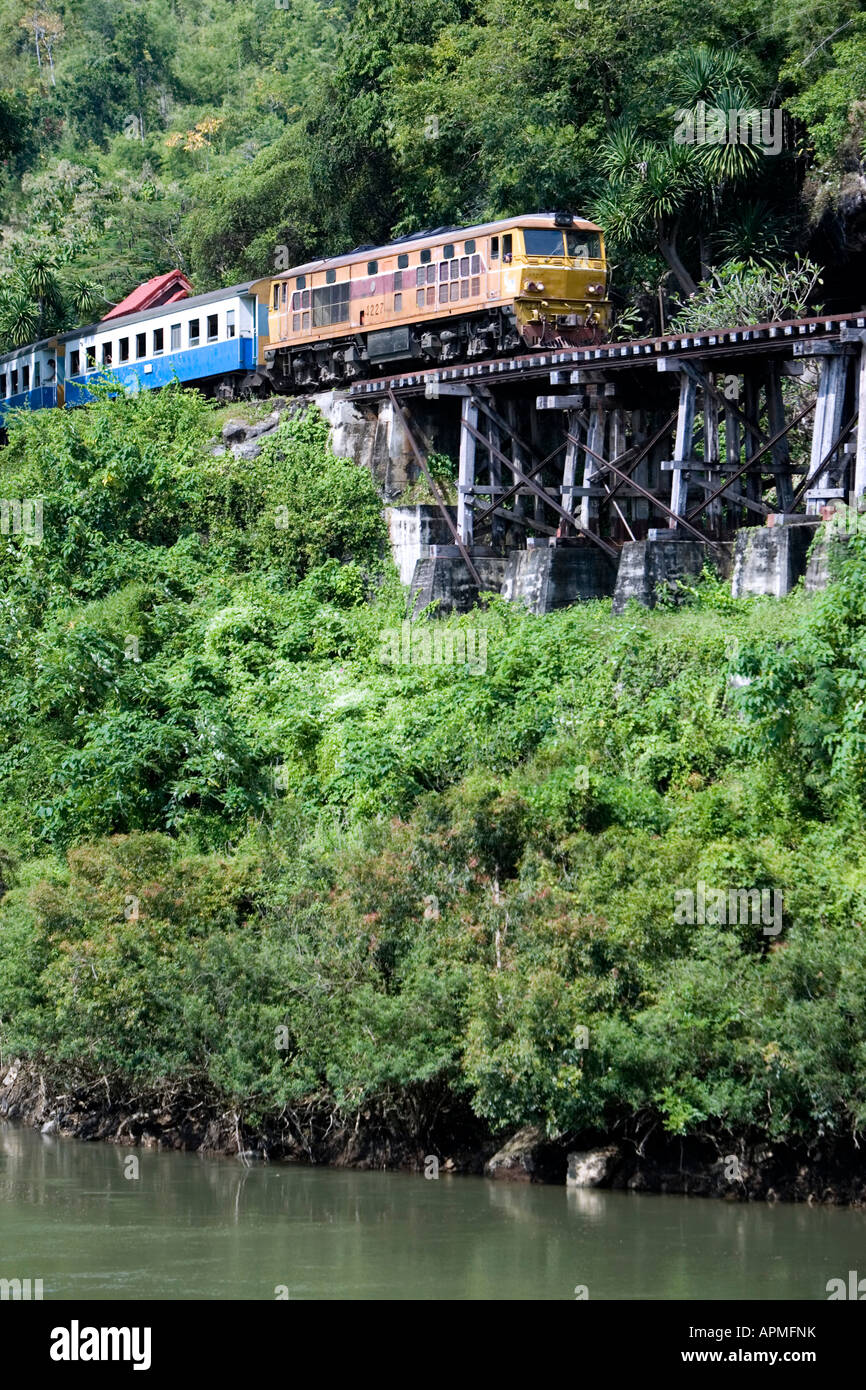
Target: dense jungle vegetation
(241, 851)
(230, 136)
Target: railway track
(721, 343)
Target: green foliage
(738, 294)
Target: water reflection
(189, 1227)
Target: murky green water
(193, 1228)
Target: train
(438, 296)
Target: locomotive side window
(402, 260)
(194, 330)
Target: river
(211, 1228)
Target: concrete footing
(443, 578)
(770, 559)
(825, 557)
(547, 577)
(645, 565)
(414, 531)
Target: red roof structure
(162, 289)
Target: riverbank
(406, 1133)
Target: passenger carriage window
(476, 265)
(2, 383)
(469, 246)
(455, 270)
(419, 299)
(431, 295)
(285, 293)
(455, 290)
(464, 265)
(213, 327)
(402, 260)
(330, 277)
(398, 303)
(192, 337)
(175, 337)
(476, 287)
(276, 298)
(372, 267)
(425, 256)
(230, 323)
(398, 279)
(13, 377)
(306, 323)
(494, 248)
(443, 294)
(90, 358)
(464, 289)
(443, 270)
(25, 378)
(305, 299)
(123, 349)
(296, 299)
(106, 354)
(421, 275)
(431, 275)
(37, 374)
(74, 363)
(296, 323)
(448, 251)
(300, 281)
(158, 339)
(141, 344)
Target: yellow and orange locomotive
(434, 297)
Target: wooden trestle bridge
(688, 437)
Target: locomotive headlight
(534, 286)
(595, 289)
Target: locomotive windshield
(542, 241)
(586, 245)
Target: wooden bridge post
(781, 453)
(684, 444)
(595, 441)
(732, 458)
(466, 471)
(828, 420)
(859, 485)
(711, 457)
(574, 426)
